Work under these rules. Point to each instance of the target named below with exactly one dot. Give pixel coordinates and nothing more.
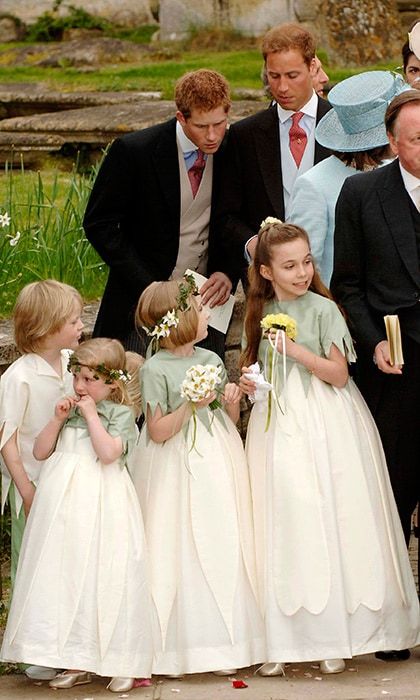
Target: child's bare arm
(231, 398)
(107, 447)
(45, 442)
(162, 427)
(332, 369)
(13, 461)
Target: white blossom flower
(270, 220)
(4, 219)
(15, 240)
(200, 381)
(163, 328)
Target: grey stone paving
(365, 677)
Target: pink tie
(195, 173)
(297, 138)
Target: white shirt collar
(410, 181)
(187, 146)
(310, 108)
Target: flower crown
(270, 220)
(108, 374)
(162, 329)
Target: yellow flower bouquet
(281, 322)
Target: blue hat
(356, 122)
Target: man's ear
(393, 143)
(266, 272)
(312, 68)
(181, 118)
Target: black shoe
(393, 655)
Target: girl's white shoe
(332, 666)
(120, 685)
(225, 672)
(271, 669)
(68, 680)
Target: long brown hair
(261, 290)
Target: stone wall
(355, 32)
(252, 17)
(121, 12)
(360, 32)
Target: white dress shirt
(289, 169)
(412, 185)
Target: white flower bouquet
(200, 381)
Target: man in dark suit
(144, 216)
(377, 272)
(260, 167)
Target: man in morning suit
(263, 158)
(377, 272)
(146, 217)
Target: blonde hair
(110, 353)
(41, 309)
(133, 364)
(159, 298)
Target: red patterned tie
(297, 138)
(195, 173)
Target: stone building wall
(122, 12)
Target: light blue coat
(313, 208)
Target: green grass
(45, 237)
(158, 70)
(47, 208)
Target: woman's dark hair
(361, 159)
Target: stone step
(91, 127)
(26, 99)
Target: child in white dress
(191, 477)
(81, 599)
(334, 576)
(46, 323)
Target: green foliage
(45, 236)
(50, 26)
(139, 35)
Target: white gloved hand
(262, 386)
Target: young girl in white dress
(81, 600)
(333, 570)
(191, 477)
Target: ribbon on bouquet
(271, 363)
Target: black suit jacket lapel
(166, 164)
(267, 144)
(393, 197)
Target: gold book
(393, 334)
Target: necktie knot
(297, 138)
(195, 173)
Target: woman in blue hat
(354, 130)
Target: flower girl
(81, 600)
(333, 570)
(191, 476)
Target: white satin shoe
(271, 669)
(225, 672)
(332, 666)
(68, 680)
(118, 684)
